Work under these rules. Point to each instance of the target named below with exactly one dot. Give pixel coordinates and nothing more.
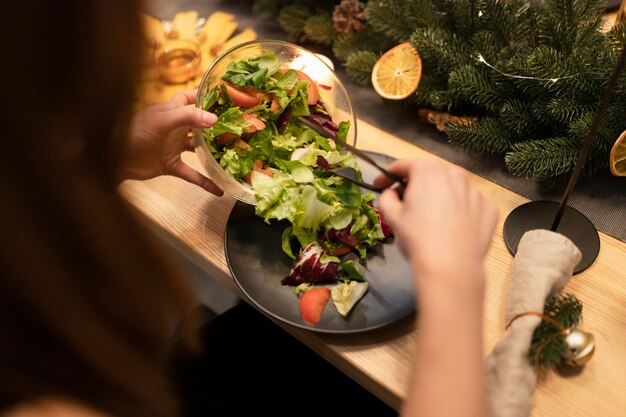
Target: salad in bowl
(262, 152)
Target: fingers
(390, 205)
(400, 167)
(188, 115)
(185, 172)
(182, 98)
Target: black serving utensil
(323, 132)
(351, 175)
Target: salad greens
(258, 139)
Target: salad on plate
(260, 140)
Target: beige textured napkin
(543, 264)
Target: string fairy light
(522, 77)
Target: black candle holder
(559, 217)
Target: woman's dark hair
(88, 301)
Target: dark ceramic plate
(258, 263)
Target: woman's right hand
(443, 224)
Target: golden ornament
(580, 347)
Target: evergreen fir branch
(548, 343)
(487, 44)
(464, 14)
(474, 86)
(527, 34)
(545, 72)
(386, 17)
(365, 40)
(571, 24)
(564, 110)
(613, 125)
(441, 50)
(293, 18)
(432, 92)
(359, 66)
(319, 28)
(517, 116)
(500, 18)
(398, 19)
(542, 158)
(268, 10)
(486, 135)
(440, 100)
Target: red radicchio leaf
(308, 267)
(384, 224)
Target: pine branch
(548, 343)
(293, 18)
(359, 66)
(474, 86)
(433, 93)
(487, 44)
(564, 110)
(544, 158)
(366, 40)
(499, 18)
(398, 19)
(571, 24)
(517, 116)
(268, 10)
(441, 51)
(464, 14)
(487, 135)
(319, 28)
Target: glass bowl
(332, 94)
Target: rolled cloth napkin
(543, 264)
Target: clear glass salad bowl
(332, 93)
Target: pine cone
(349, 17)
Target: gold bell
(579, 347)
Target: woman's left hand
(158, 136)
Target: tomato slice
(312, 304)
(239, 97)
(275, 104)
(255, 123)
(241, 146)
(225, 138)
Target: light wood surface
(193, 221)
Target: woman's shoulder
(53, 408)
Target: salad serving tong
(350, 173)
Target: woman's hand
(445, 227)
(442, 223)
(158, 136)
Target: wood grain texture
(380, 360)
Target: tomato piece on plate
(311, 90)
(239, 97)
(255, 123)
(312, 304)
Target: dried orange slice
(397, 72)
(617, 159)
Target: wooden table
(193, 222)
